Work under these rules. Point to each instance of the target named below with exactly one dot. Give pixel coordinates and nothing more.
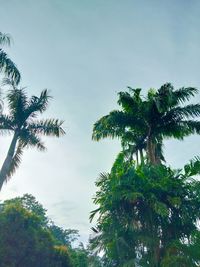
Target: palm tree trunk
(150, 147)
(151, 151)
(8, 160)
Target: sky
(84, 52)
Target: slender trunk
(8, 160)
(151, 150)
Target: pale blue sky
(85, 52)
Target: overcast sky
(85, 52)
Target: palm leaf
(128, 102)
(29, 139)
(6, 124)
(48, 127)
(184, 94)
(8, 67)
(114, 125)
(17, 102)
(15, 161)
(193, 167)
(188, 111)
(192, 125)
(5, 39)
(38, 104)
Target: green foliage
(143, 211)
(80, 257)
(28, 238)
(61, 257)
(147, 213)
(23, 242)
(29, 203)
(143, 123)
(63, 236)
(85, 258)
(7, 66)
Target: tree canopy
(29, 238)
(143, 123)
(25, 237)
(147, 212)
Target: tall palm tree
(6, 64)
(161, 114)
(26, 129)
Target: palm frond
(35, 141)
(38, 104)
(1, 105)
(114, 125)
(164, 98)
(192, 110)
(179, 114)
(5, 39)
(102, 130)
(6, 124)
(8, 82)
(193, 167)
(175, 130)
(29, 139)
(184, 94)
(192, 125)
(48, 127)
(17, 102)
(9, 68)
(15, 161)
(128, 102)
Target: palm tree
(26, 129)
(6, 64)
(148, 121)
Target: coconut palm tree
(26, 129)
(7, 66)
(148, 121)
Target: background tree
(27, 238)
(61, 257)
(30, 238)
(27, 130)
(84, 257)
(25, 242)
(29, 202)
(63, 236)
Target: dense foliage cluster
(29, 238)
(25, 237)
(148, 213)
